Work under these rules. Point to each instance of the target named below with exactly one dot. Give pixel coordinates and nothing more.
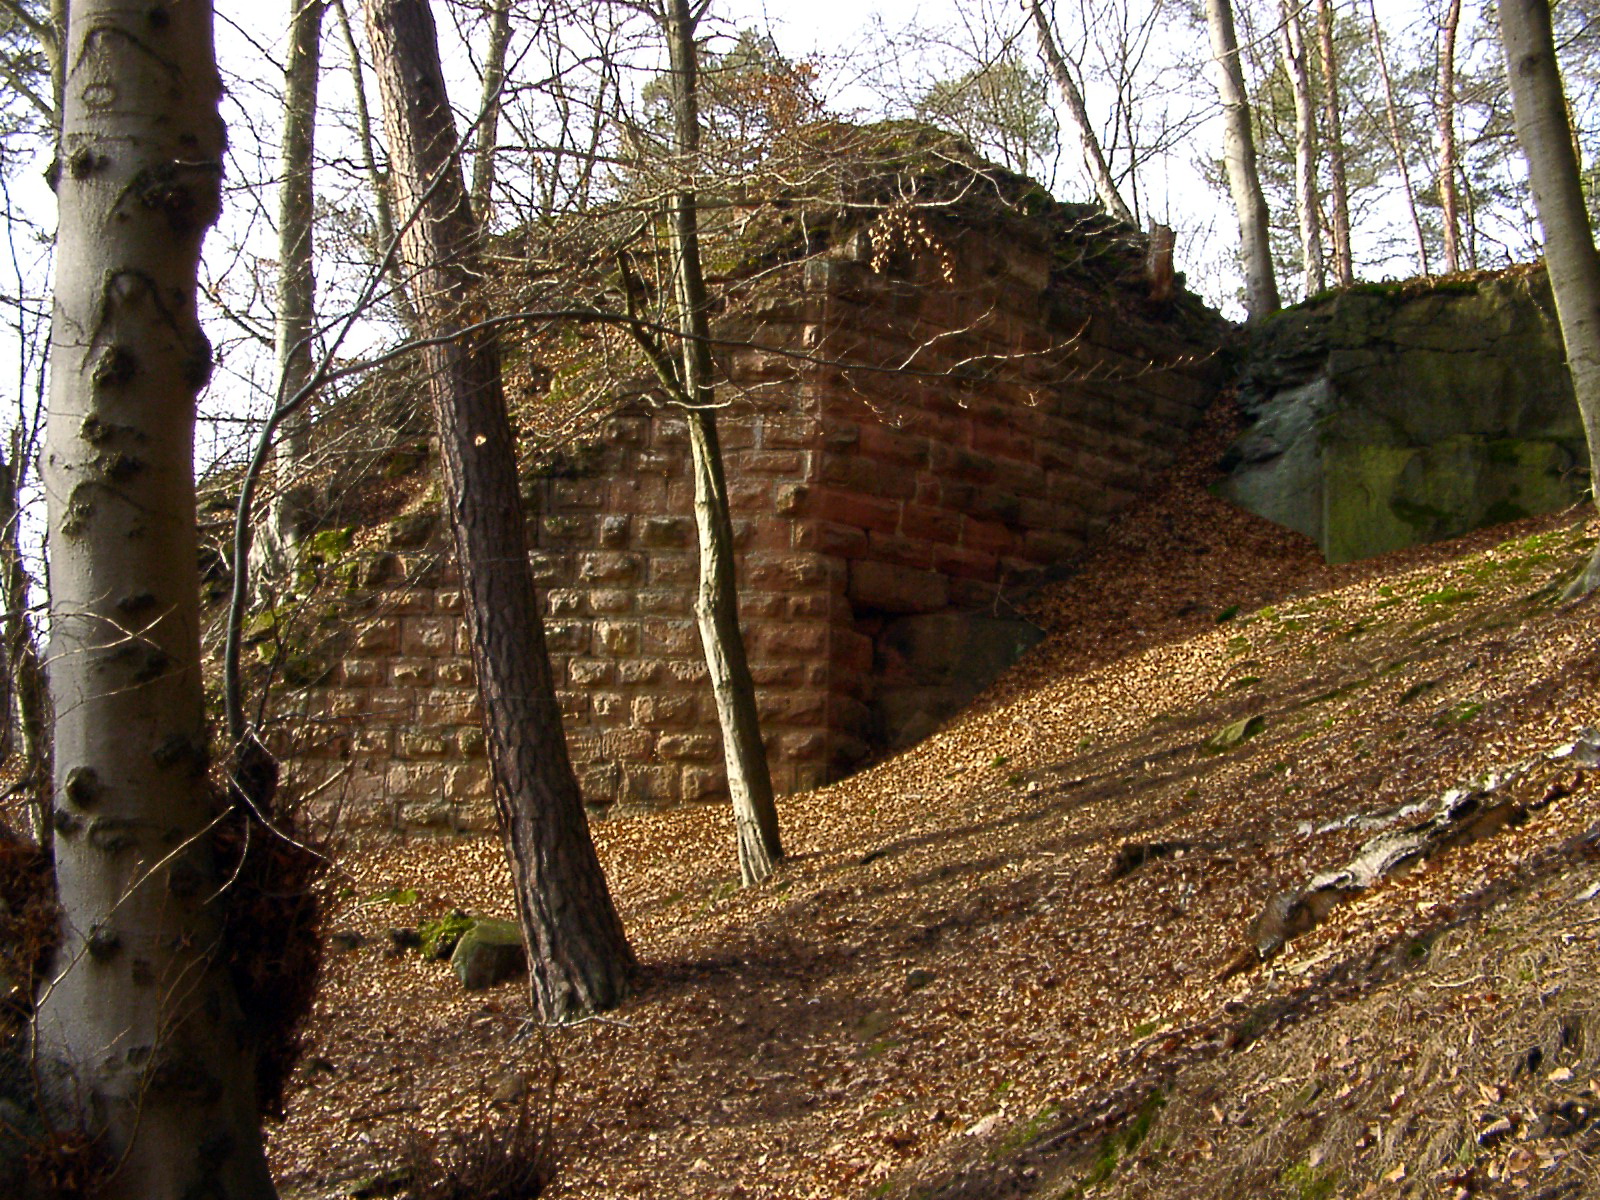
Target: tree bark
(1094, 158)
(1539, 105)
(1448, 200)
(1239, 154)
(383, 211)
(1396, 140)
(296, 321)
(1333, 134)
(1305, 149)
(140, 1032)
(579, 960)
(755, 813)
(24, 672)
(494, 80)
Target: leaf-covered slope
(965, 983)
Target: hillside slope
(994, 965)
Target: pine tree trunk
(1540, 107)
(1305, 150)
(140, 1033)
(1333, 134)
(579, 960)
(1094, 159)
(383, 211)
(755, 813)
(1448, 201)
(1239, 155)
(296, 319)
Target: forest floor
(953, 988)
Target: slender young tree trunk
(1448, 200)
(376, 179)
(1540, 107)
(296, 320)
(1333, 134)
(24, 673)
(1239, 154)
(140, 1032)
(1396, 139)
(755, 814)
(578, 958)
(1094, 158)
(1305, 148)
(494, 80)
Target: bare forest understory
(1017, 960)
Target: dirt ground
(947, 990)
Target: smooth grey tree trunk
(494, 80)
(578, 958)
(1239, 157)
(139, 1033)
(1094, 159)
(1540, 107)
(755, 813)
(296, 320)
(1449, 202)
(1396, 139)
(1333, 135)
(1314, 275)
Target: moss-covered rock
(489, 952)
(1393, 416)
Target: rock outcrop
(1393, 415)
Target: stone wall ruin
(908, 441)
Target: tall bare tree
(1397, 141)
(1239, 157)
(140, 1030)
(1094, 158)
(1449, 200)
(716, 606)
(1333, 136)
(579, 960)
(1292, 35)
(494, 80)
(296, 318)
(1540, 106)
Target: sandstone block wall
(935, 435)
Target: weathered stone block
(670, 638)
(885, 587)
(610, 601)
(411, 672)
(617, 637)
(648, 785)
(660, 602)
(666, 531)
(567, 637)
(360, 672)
(422, 745)
(609, 567)
(566, 602)
(428, 636)
(591, 672)
(688, 670)
(377, 639)
(703, 783)
(634, 672)
(655, 711)
(689, 747)
(448, 706)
